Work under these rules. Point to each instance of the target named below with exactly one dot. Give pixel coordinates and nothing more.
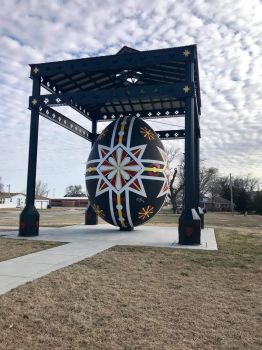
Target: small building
(18, 200)
(215, 204)
(41, 202)
(12, 200)
(77, 202)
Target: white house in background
(18, 200)
(41, 202)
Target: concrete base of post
(202, 217)
(91, 217)
(189, 227)
(29, 222)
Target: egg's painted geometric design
(146, 212)
(147, 133)
(125, 174)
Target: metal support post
(29, 218)
(197, 179)
(91, 218)
(189, 221)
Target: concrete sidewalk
(83, 242)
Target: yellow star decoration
(186, 89)
(36, 70)
(98, 211)
(34, 102)
(147, 133)
(145, 212)
(186, 53)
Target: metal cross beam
(113, 62)
(54, 90)
(170, 134)
(60, 119)
(150, 114)
(177, 90)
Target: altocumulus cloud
(228, 35)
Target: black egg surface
(126, 173)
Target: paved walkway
(82, 242)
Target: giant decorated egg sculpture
(125, 174)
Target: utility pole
(231, 195)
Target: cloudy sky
(228, 34)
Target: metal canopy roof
(125, 71)
(162, 83)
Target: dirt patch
(12, 248)
(143, 298)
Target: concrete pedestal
(29, 222)
(202, 217)
(91, 217)
(189, 227)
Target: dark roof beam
(119, 62)
(179, 75)
(158, 77)
(171, 134)
(78, 76)
(172, 67)
(102, 96)
(57, 77)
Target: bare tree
(251, 183)
(172, 155)
(243, 191)
(41, 188)
(208, 181)
(75, 191)
(176, 186)
(176, 174)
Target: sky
(228, 35)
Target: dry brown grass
(55, 217)
(11, 248)
(143, 298)
(58, 217)
(218, 219)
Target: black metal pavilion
(151, 84)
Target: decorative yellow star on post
(186, 89)
(36, 70)
(186, 53)
(34, 102)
